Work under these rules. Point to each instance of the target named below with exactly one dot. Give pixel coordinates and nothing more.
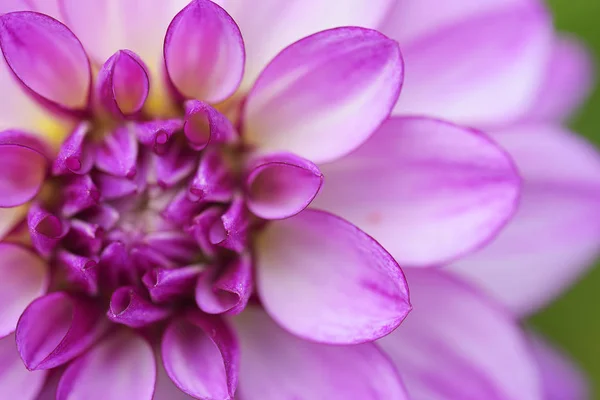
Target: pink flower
(224, 211)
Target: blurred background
(572, 322)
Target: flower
(181, 215)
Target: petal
(45, 229)
(568, 81)
(79, 193)
(231, 230)
(47, 58)
(214, 181)
(16, 382)
(166, 285)
(555, 234)
(480, 72)
(24, 278)
(324, 95)
(129, 307)
(117, 154)
(121, 367)
(560, 377)
(228, 292)
(22, 168)
(200, 355)
(81, 271)
(459, 345)
(303, 257)
(157, 134)
(75, 154)
(277, 365)
(123, 84)
(56, 328)
(204, 52)
(278, 23)
(9, 218)
(204, 125)
(165, 388)
(281, 185)
(177, 163)
(428, 190)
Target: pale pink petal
(204, 52)
(427, 190)
(409, 20)
(24, 278)
(457, 344)
(481, 72)
(9, 217)
(324, 95)
(275, 24)
(561, 379)
(47, 58)
(323, 279)
(16, 382)
(23, 165)
(281, 185)
(201, 356)
(277, 365)
(121, 367)
(165, 388)
(569, 79)
(555, 234)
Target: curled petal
(75, 154)
(181, 209)
(201, 227)
(213, 181)
(81, 271)
(460, 345)
(47, 58)
(228, 292)
(281, 185)
(85, 237)
(156, 134)
(22, 167)
(176, 164)
(555, 234)
(308, 370)
(175, 244)
(168, 284)
(117, 154)
(129, 307)
(324, 95)
(315, 251)
(56, 328)
(427, 190)
(204, 52)
(201, 356)
(121, 367)
(231, 230)
(79, 193)
(482, 71)
(16, 382)
(123, 84)
(24, 278)
(102, 215)
(45, 229)
(113, 187)
(204, 125)
(114, 266)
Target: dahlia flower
(212, 199)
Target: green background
(572, 322)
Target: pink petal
(428, 190)
(166, 285)
(483, 71)
(121, 367)
(24, 278)
(165, 388)
(117, 154)
(200, 355)
(214, 181)
(281, 185)
(129, 307)
(56, 328)
(47, 58)
(456, 344)
(300, 259)
(45, 229)
(75, 154)
(81, 271)
(227, 292)
(555, 234)
(157, 134)
(16, 382)
(277, 365)
(204, 52)
(204, 125)
(80, 193)
(22, 167)
(278, 23)
(561, 379)
(123, 84)
(231, 230)
(324, 95)
(569, 80)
